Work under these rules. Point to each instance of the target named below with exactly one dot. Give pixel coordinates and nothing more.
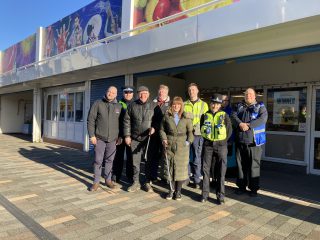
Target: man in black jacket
(103, 128)
(249, 121)
(140, 122)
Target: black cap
(142, 88)
(216, 98)
(127, 89)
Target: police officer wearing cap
(216, 129)
(127, 98)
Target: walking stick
(167, 161)
(146, 152)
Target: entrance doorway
(315, 133)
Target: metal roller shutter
(98, 87)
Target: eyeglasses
(127, 92)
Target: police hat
(127, 89)
(216, 98)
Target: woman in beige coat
(176, 135)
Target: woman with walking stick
(176, 136)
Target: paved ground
(43, 195)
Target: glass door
(315, 133)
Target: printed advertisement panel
(26, 51)
(146, 11)
(8, 61)
(97, 20)
(20, 54)
(286, 108)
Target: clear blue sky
(21, 18)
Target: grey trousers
(104, 151)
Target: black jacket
(139, 118)
(103, 120)
(243, 113)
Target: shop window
(79, 107)
(62, 107)
(54, 108)
(70, 107)
(49, 102)
(287, 109)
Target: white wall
(272, 71)
(12, 111)
(176, 85)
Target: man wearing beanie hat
(123, 148)
(216, 129)
(141, 120)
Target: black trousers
(155, 153)
(248, 161)
(214, 156)
(138, 152)
(119, 161)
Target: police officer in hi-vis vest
(249, 121)
(216, 129)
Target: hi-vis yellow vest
(196, 110)
(214, 127)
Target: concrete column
(1, 54)
(129, 80)
(36, 126)
(127, 16)
(40, 43)
(86, 112)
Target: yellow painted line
(22, 197)
(5, 181)
(161, 217)
(118, 200)
(176, 226)
(163, 210)
(219, 215)
(57, 221)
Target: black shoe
(134, 187)
(204, 199)
(220, 201)
(240, 191)
(170, 195)
(178, 196)
(253, 194)
(147, 187)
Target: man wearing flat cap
(123, 148)
(141, 120)
(216, 129)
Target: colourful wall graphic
(146, 11)
(20, 54)
(97, 20)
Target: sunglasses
(127, 92)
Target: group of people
(185, 140)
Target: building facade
(273, 46)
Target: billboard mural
(20, 54)
(97, 20)
(146, 11)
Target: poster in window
(286, 107)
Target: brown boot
(110, 184)
(94, 187)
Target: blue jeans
(195, 158)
